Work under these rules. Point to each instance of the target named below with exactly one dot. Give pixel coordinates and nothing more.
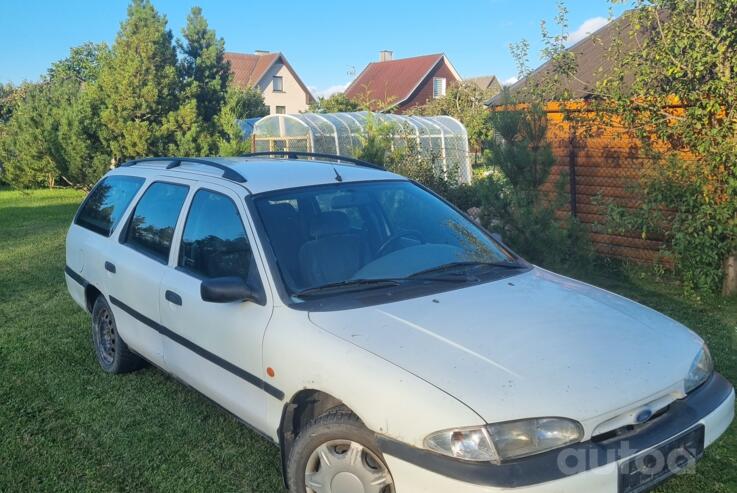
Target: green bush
(383, 143)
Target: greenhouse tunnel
(440, 137)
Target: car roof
(267, 174)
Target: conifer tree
(203, 69)
(138, 85)
(204, 74)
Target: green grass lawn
(66, 425)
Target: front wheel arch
(302, 409)
(328, 450)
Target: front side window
(152, 223)
(214, 242)
(107, 202)
(278, 84)
(353, 234)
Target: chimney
(262, 52)
(385, 55)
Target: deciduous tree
(678, 93)
(336, 103)
(82, 65)
(465, 102)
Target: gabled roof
(249, 69)
(484, 81)
(592, 60)
(394, 81)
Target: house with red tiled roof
(402, 83)
(271, 73)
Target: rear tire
(111, 351)
(336, 453)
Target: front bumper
(417, 470)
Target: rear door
(216, 347)
(137, 262)
(90, 236)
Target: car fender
(388, 399)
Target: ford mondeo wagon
(384, 341)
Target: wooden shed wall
(605, 163)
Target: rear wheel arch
(91, 294)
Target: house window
(438, 87)
(278, 84)
(280, 110)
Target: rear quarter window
(104, 206)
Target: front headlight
(516, 439)
(701, 369)
(503, 441)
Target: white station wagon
(384, 341)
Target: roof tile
(249, 69)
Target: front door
(216, 347)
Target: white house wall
(293, 97)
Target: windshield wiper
(443, 268)
(349, 284)
(432, 274)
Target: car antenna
(337, 175)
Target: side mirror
(497, 237)
(228, 289)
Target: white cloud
(589, 26)
(329, 91)
(509, 81)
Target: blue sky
(325, 41)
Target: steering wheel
(407, 233)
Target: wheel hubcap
(348, 482)
(106, 337)
(345, 466)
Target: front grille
(624, 431)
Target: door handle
(110, 267)
(173, 297)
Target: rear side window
(152, 223)
(214, 242)
(106, 203)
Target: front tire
(335, 453)
(111, 351)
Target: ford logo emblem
(643, 415)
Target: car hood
(536, 344)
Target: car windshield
(369, 235)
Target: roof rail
(298, 154)
(229, 173)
